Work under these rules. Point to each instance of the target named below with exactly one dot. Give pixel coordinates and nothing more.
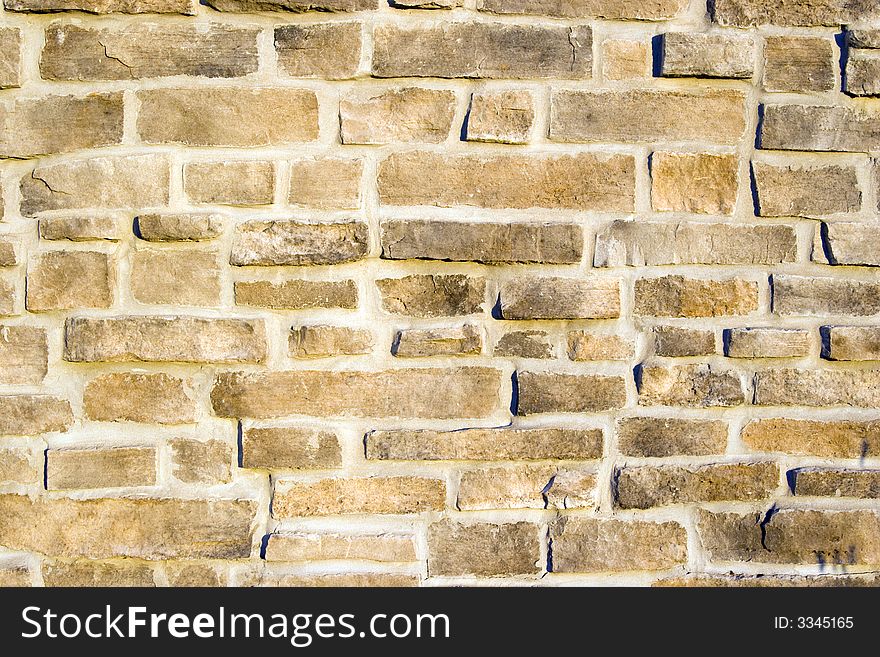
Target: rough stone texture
(240, 182)
(319, 50)
(323, 341)
(843, 243)
(525, 344)
(323, 547)
(677, 296)
(87, 573)
(675, 341)
(398, 115)
(650, 436)
(863, 73)
(624, 59)
(483, 549)
(598, 346)
(266, 243)
(788, 191)
(689, 385)
(798, 64)
(295, 6)
(10, 57)
(65, 280)
(712, 55)
(326, 183)
(104, 6)
(836, 482)
(185, 278)
(457, 340)
(560, 298)
(28, 415)
(17, 466)
(100, 468)
(325, 497)
(529, 487)
(289, 448)
(836, 439)
(817, 387)
(794, 13)
(803, 295)
(432, 296)
(693, 182)
(189, 227)
(820, 128)
(132, 397)
(502, 116)
(80, 228)
(24, 355)
(297, 294)
(201, 462)
(610, 9)
(853, 343)
(767, 343)
(568, 393)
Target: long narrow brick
(328, 497)
(820, 128)
(610, 9)
(815, 387)
(830, 439)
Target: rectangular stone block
(609, 9)
(427, 295)
(181, 278)
(660, 437)
(863, 73)
(269, 243)
(549, 297)
(297, 294)
(820, 128)
(677, 296)
(804, 295)
(397, 115)
(798, 64)
(767, 342)
(330, 497)
(551, 392)
(525, 487)
(708, 55)
(466, 340)
(702, 183)
(699, 386)
(845, 243)
(242, 182)
(803, 387)
(482, 549)
(319, 50)
(303, 546)
(80, 228)
(583, 345)
(791, 13)
(525, 344)
(836, 482)
(179, 227)
(799, 191)
(506, 117)
(10, 57)
(289, 448)
(187, 7)
(71, 469)
(321, 341)
(139, 397)
(674, 341)
(24, 354)
(852, 343)
(67, 280)
(206, 462)
(20, 466)
(31, 415)
(834, 439)
(326, 183)
(88, 573)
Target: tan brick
(463, 392)
(482, 549)
(297, 294)
(863, 38)
(18, 466)
(7, 253)
(820, 128)
(295, 6)
(193, 573)
(337, 580)
(432, 296)
(762, 581)
(553, 392)
(659, 437)
(80, 228)
(447, 341)
(693, 182)
(502, 444)
(324, 547)
(677, 296)
(791, 13)
(803, 295)
(146, 528)
(201, 462)
(482, 50)
(786, 191)
(624, 59)
(525, 344)
(105, 6)
(584, 181)
(610, 9)
(147, 50)
(798, 64)
(844, 243)
(8, 299)
(501, 116)
(425, 4)
(183, 278)
(65, 280)
(863, 73)
(817, 387)
(637, 243)
(599, 545)
(793, 536)
(767, 343)
(227, 117)
(10, 57)
(649, 486)
(267, 243)
(853, 342)
(15, 576)
(676, 341)
(240, 182)
(139, 397)
(113, 182)
(88, 573)
(835, 482)
(841, 438)
(326, 183)
(584, 345)
(400, 115)
(708, 55)
(326, 497)
(714, 116)
(528, 487)
(30, 415)
(548, 243)
(24, 355)
(289, 448)
(29, 126)
(100, 468)
(320, 341)
(689, 385)
(319, 50)
(548, 297)
(179, 227)
(164, 339)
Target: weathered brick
(164, 339)
(228, 117)
(610, 9)
(693, 182)
(319, 50)
(853, 343)
(297, 294)
(243, 182)
(457, 340)
(432, 295)
(584, 181)
(820, 128)
(193, 573)
(804, 295)
(323, 547)
(29, 126)
(327, 497)
(113, 182)
(767, 343)
(15, 576)
(146, 528)
(104, 6)
(762, 581)
(326, 183)
(836, 482)
(425, 4)
(689, 385)
(501, 116)
(18, 466)
(8, 298)
(637, 244)
(708, 55)
(482, 50)
(791, 190)
(502, 444)
(835, 439)
(649, 486)
(525, 344)
(482, 549)
(548, 243)
(715, 116)
(319, 341)
(844, 243)
(295, 6)
(24, 354)
(336, 580)
(553, 392)
(185, 278)
(7, 254)
(793, 536)
(400, 115)
(677, 296)
(625, 59)
(584, 345)
(100, 468)
(88, 573)
(673, 341)
(10, 57)
(863, 38)
(659, 437)
(179, 227)
(80, 228)
(817, 387)
(547, 297)
(863, 73)
(147, 50)
(528, 487)
(282, 448)
(139, 397)
(791, 13)
(463, 392)
(798, 64)
(267, 243)
(596, 545)
(64, 280)
(30, 415)
(201, 462)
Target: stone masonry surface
(441, 292)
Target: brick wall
(515, 292)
